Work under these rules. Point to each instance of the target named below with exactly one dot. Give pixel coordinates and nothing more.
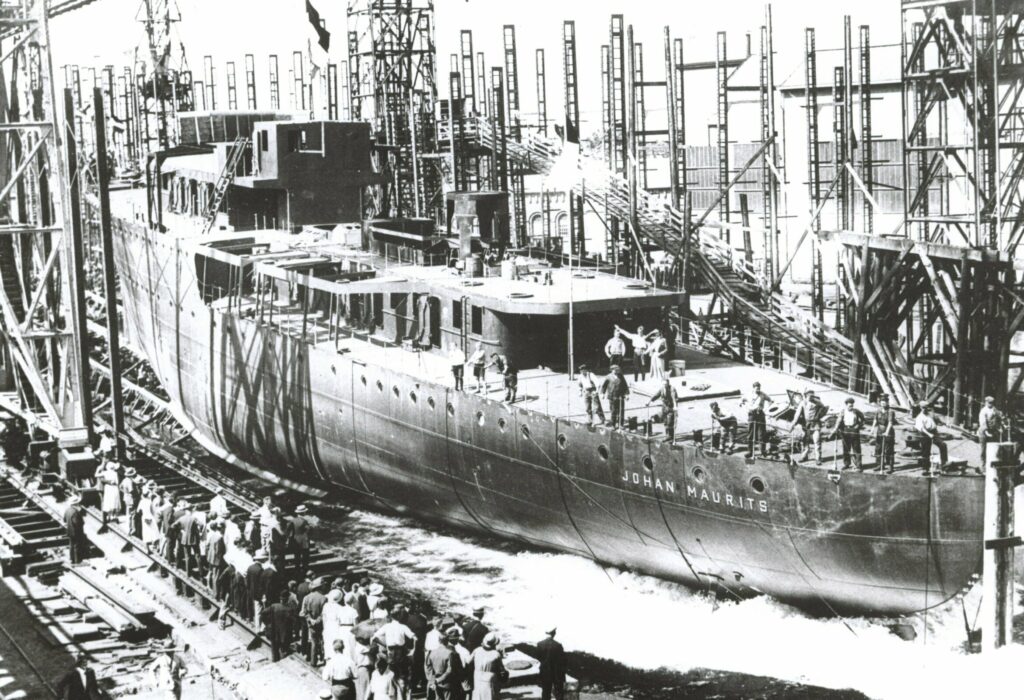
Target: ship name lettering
(650, 482)
(714, 496)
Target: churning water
(646, 623)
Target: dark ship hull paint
(866, 544)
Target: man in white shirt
(339, 672)
(640, 357)
(399, 641)
(929, 432)
(990, 425)
(615, 349)
(219, 504)
(590, 394)
(757, 424)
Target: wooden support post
(997, 569)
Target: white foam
(647, 623)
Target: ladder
(227, 175)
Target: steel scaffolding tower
(166, 86)
(41, 253)
(392, 64)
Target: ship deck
(706, 379)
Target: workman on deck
(810, 414)
(666, 394)
(757, 424)
(509, 375)
(615, 389)
(591, 397)
(990, 425)
(850, 422)
(641, 360)
(928, 429)
(884, 429)
(478, 361)
(724, 426)
(615, 349)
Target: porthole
(430, 402)
(648, 463)
(525, 430)
(757, 483)
(412, 396)
(502, 424)
(602, 452)
(395, 391)
(563, 441)
(380, 385)
(698, 474)
(480, 419)
(451, 410)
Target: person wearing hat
(990, 426)
(74, 523)
(615, 349)
(129, 496)
(146, 514)
(591, 397)
(668, 398)
(444, 669)
(311, 613)
(111, 505)
(299, 542)
(489, 674)
(757, 424)
(810, 414)
(657, 352)
(615, 389)
(219, 504)
(723, 426)
(849, 425)
(79, 682)
(928, 430)
(474, 630)
(374, 592)
(884, 429)
(551, 655)
(254, 586)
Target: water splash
(647, 623)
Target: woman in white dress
(147, 509)
(657, 350)
(111, 492)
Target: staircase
(734, 280)
(227, 175)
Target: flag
(572, 130)
(323, 36)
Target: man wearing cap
(884, 429)
(666, 395)
(129, 494)
(298, 537)
(990, 425)
(589, 392)
(254, 586)
(757, 425)
(79, 682)
(474, 630)
(810, 413)
(399, 641)
(311, 611)
(444, 668)
(615, 349)
(74, 522)
(928, 430)
(724, 426)
(616, 389)
(551, 655)
(850, 422)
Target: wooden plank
(950, 315)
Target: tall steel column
(542, 93)
(41, 257)
(515, 132)
(232, 86)
(250, 81)
(577, 242)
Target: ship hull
(863, 544)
